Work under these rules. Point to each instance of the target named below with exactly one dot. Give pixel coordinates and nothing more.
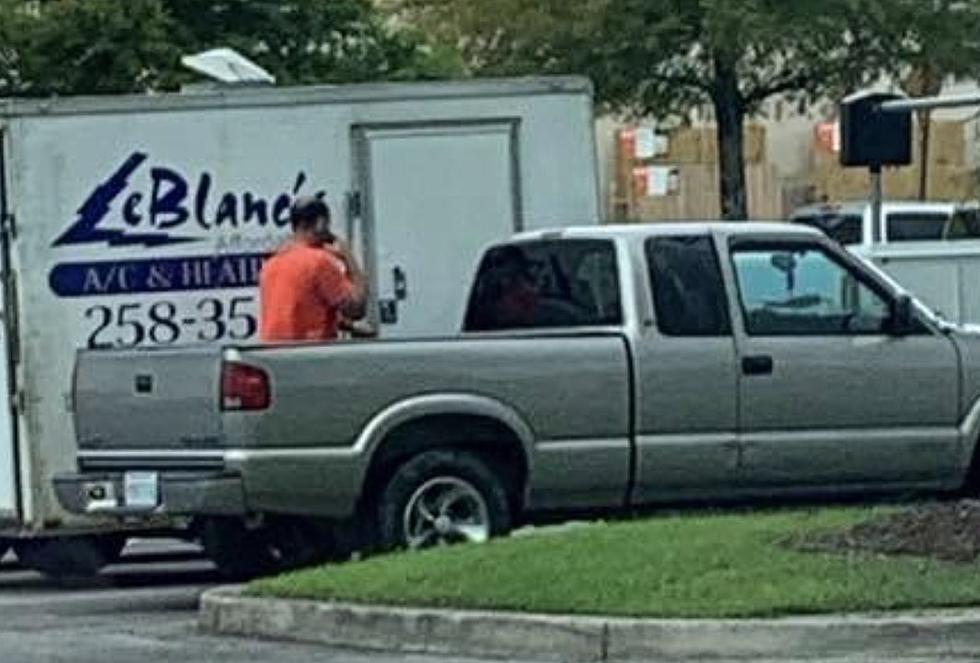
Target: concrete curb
(553, 638)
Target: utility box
(870, 137)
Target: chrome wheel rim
(444, 511)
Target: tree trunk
(925, 126)
(730, 114)
(924, 80)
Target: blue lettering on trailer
(87, 279)
(170, 207)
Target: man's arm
(354, 306)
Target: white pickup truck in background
(931, 248)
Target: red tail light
(244, 387)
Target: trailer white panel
(428, 223)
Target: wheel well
(971, 482)
(493, 441)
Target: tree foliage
(110, 46)
(310, 41)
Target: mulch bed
(947, 531)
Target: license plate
(142, 489)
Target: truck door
(686, 379)
(827, 397)
(9, 489)
(434, 195)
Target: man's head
(309, 216)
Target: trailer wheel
(442, 497)
(112, 546)
(239, 553)
(76, 558)
(279, 545)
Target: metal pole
(929, 103)
(876, 195)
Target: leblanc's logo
(172, 206)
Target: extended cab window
(688, 290)
(802, 290)
(546, 284)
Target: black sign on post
(872, 137)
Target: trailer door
(9, 491)
(436, 195)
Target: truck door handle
(757, 365)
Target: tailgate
(148, 399)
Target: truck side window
(688, 290)
(916, 226)
(801, 290)
(546, 284)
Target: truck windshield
(842, 228)
(546, 284)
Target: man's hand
(355, 308)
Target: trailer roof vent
(228, 67)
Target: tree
(310, 41)
(94, 47)
(111, 46)
(665, 57)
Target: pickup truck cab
(598, 368)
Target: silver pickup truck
(598, 368)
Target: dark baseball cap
(307, 210)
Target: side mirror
(902, 322)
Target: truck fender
(388, 419)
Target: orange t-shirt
(301, 289)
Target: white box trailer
(143, 221)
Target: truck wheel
(64, 559)
(442, 497)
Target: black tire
(238, 552)
(281, 544)
(112, 546)
(462, 466)
(65, 559)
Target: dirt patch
(948, 531)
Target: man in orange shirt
(306, 288)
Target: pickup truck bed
(331, 406)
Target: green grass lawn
(693, 565)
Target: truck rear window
(546, 284)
